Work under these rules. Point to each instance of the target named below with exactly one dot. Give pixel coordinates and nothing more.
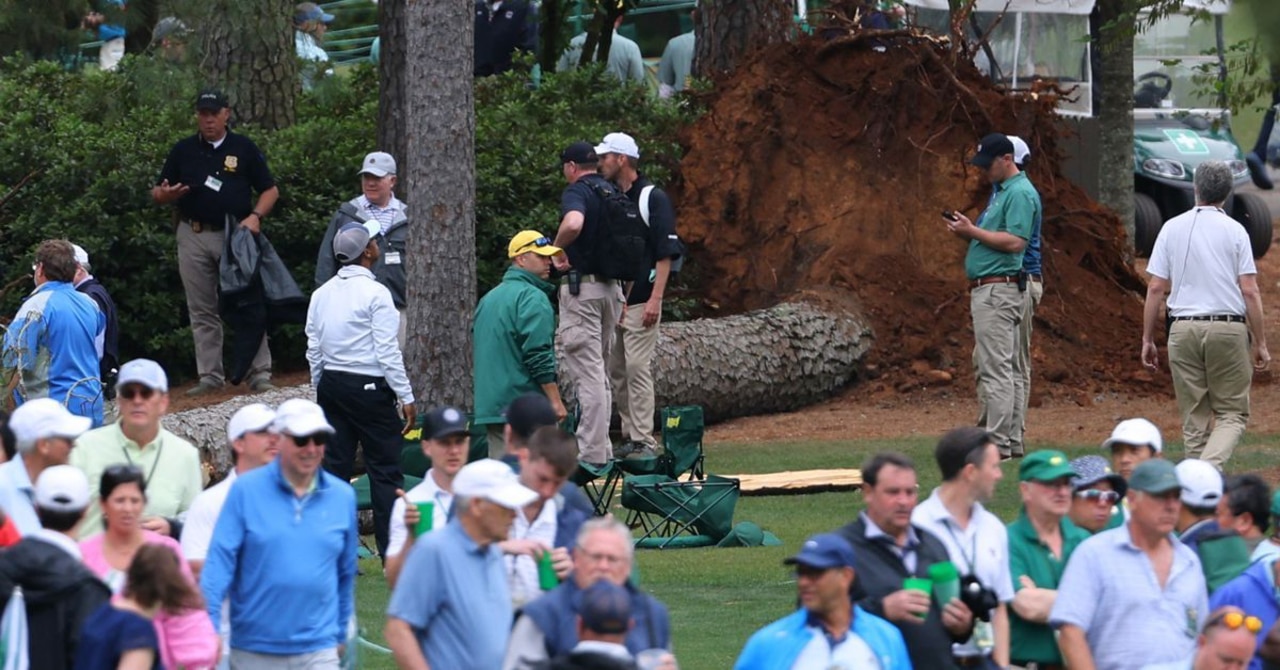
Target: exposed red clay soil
(823, 165)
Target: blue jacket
(778, 645)
(288, 564)
(556, 614)
(51, 341)
(1253, 591)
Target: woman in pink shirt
(186, 639)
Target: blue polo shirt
(454, 595)
(1130, 621)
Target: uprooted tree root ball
(828, 164)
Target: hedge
(92, 144)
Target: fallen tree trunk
(770, 360)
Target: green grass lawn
(718, 597)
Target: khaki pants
(631, 371)
(1031, 300)
(997, 311)
(497, 437)
(110, 53)
(1211, 377)
(198, 258)
(586, 329)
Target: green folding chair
(682, 430)
(675, 514)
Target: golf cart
(1177, 125)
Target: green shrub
(95, 143)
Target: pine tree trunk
(770, 360)
(726, 31)
(248, 51)
(440, 185)
(1113, 25)
(393, 82)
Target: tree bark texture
(393, 83)
(1113, 25)
(248, 51)
(770, 360)
(726, 31)
(440, 184)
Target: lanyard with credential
(146, 481)
(970, 558)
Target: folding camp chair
(599, 483)
(682, 429)
(679, 514)
(364, 498)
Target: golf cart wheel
(1253, 213)
(1146, 223)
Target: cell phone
(949, 215)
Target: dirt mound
(827, 164)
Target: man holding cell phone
(993, 266)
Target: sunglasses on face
(131, 392)
(1234, 620)
(318, 439)
(1094, 495)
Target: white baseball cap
(249, 419)
(62, 488)
(82, 256)
(1021, 152)
(143, 371)
(1201, 483)
(300, 417)
(492, 480)
(43, 418)
(1136, 432)
(618, 143)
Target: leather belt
(1226, 318)
(1036, 665)
(993, 279)
(200, 226)
(970, 661)
(589, 279)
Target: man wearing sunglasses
(1041, 542)
(1133, 595)
(1226, 643)
(828, 630)
(170, 465)
(284, 552)
(1096, 492)
(357, 371)
(514, 337)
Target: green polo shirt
(1030, 557)
(170, 465)
(1013, 209)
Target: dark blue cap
(824, 551)
(606, 608)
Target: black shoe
(1258, 171)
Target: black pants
(362, 410)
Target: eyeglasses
(536, 244)
(318, 439)
(1234, 620)
(810, 571)
(1056, 484)
(604, 558)
(131, 392)
(1095, 495)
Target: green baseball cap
(1154, 476)
(1045, 465)
(1275, 503)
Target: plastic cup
(921, 585)
(547, 578)
(946, 582)
(426, 514)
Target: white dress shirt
(351, 327)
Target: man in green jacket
(514, 335)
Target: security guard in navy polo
(211, 176)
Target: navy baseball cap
(579, 152)
(444, 421)
(990, 148)
(606, 608)
(211, 100)
(824, 551)
(528, 413)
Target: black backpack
(622, 250)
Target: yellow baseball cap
(531, 240)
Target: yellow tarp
(804, 481)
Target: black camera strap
(970, 558)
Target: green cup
(946, 582)
(547, 578)
(921, 585)
(426, 514)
